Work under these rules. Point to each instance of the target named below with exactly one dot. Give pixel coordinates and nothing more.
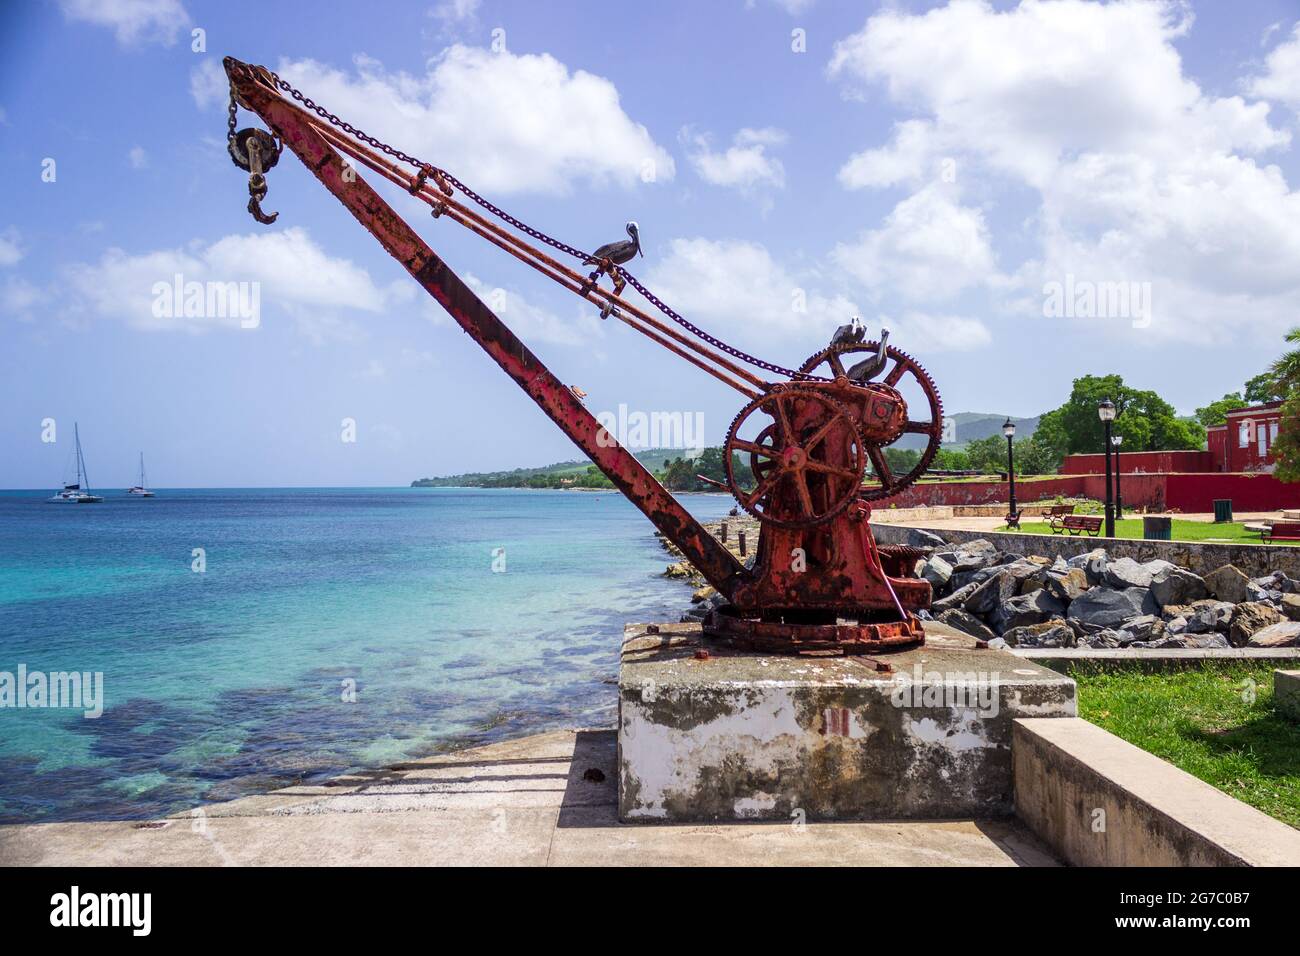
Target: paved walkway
(523, 802)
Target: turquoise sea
(233, 680)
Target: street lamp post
(1106, 412)
(1009, 429)
(1118, 440)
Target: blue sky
(934, 167)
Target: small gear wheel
(904, 368)
(807, 463)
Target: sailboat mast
(83, 479)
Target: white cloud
(133, 22)
(736, 286)
(737, 290)
(209, 85)
(1280, 80)
(11, 250)
(940, 333)
(929, 249)
(905, 159)
(744, 165)
(452, 12)
(1138, 173)
(374, 371)
(533, 323)
(293, 274)
(505, 123)
(137, 157)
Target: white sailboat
(75, 492)
(142, 489)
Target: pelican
(869, 368)
(614, 254)
(849, 334)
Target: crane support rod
(705, 552)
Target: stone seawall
(1199, 557)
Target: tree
(1147, 422)
(1284, 378)
(1262, 388)
(1216, 413)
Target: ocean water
(235, 680)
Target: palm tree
(1285, 372)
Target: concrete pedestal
(750, 736)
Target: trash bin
(1157, 528)
(1222, 510)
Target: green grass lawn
(1203, 721)
(1182, 530)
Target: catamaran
(142, 489)
(75, 493)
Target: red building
(1237, 465)
(1246, 442)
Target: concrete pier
(545, 800)
(740, 735)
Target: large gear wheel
(886, 484)
(807, 463)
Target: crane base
(752, 633)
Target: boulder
(917, 538)
(1249, 618)
(1110, 607)
(1281, 634)
(1126, 573)
(1065, 584)
(976, 576)
(989, 595)
(1107, 638)
(937, 571)
(1026, 609)
(972, 555)
(1228, 584)
(966, 623)
(1046, 634)
(1081, 560)
(953, 599)
(1209, 615)
(1184, 641)
(1175, 585)
(1290, 606)
(1095, 566)
(1148, 627)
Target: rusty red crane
(819, 583)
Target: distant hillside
(972, 426)
(577, 471)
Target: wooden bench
(1054, 515)
(1013, 519)
(1074, 524)
(1281, 531)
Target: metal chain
(230, 117)
(537, 234)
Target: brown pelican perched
(869, 368)
(614, 254)
(849, 334)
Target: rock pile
(1092, 600)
